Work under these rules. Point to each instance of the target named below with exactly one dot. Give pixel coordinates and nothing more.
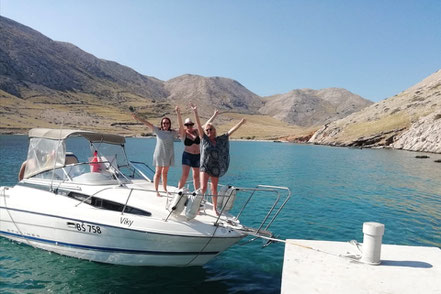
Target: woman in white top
(164, 156)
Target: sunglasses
(209, 129)
(165, 123)
(187, 125)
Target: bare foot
(216, 212)
(158, 194)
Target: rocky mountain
(222, 93)
(48, 83)
(307, 107)
(32, 62)
(410, 120)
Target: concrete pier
(320, 267)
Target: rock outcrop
(407, 121)
(423, 135)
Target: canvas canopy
(47, 147)
(61, 134)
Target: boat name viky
(126, 221)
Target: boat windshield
(73, 160)
(80, 156)
(44, 154)
(113, 154)
(81, 173)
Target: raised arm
(181, 125)
(151, 126)
(198, 121)
(233, 129)
(216, 112)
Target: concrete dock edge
(321, 267)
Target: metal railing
(281, 196)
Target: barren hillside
(385, 122)
(307, 107)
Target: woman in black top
(191, 155)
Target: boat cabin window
(107, 204)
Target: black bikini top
(189, 142)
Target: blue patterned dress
(215, 159)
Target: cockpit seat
(22, 171)
(70, 158)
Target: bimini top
(61, 134)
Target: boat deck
(316, 267)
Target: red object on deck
(95, 167)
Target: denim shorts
(193, 160)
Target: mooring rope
(352, 257)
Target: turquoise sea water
(334, 190)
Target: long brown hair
(169, 126)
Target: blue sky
(375, 49)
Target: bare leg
(164, 177)
(204, 181)
(185, 172)
(214, 182)
(196, 178)
(157, 178)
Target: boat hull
(108, 236)
(117, 255)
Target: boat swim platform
(319, 267)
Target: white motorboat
(101, 207)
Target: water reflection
(21, 267)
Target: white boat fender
(228, 196)
(221, 196)
(193, 204)
(177, 204)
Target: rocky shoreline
(422, 136)
(413, 145)
(410, 120)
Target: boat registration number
(82, 227)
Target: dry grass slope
(19, 115)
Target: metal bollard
(373, 235)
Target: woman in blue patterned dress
(215, 155)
